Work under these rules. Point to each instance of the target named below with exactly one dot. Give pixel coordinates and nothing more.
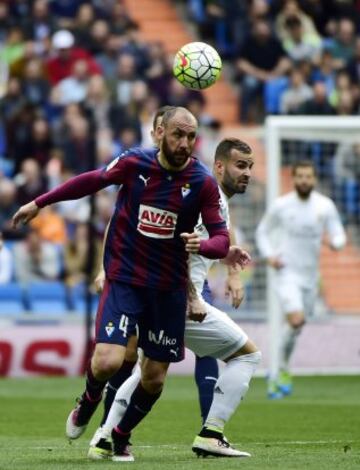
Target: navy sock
(94, 387)
(114, 384)
(206, 375)
(140, 404)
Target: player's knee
(297, 324)
(247, 349)
(253, 357)
(296, 321)
(104, 368)
(105, 365)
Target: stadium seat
(80, 304)
(77, 299)
(47, 297)
(272, 93)
(11, 299)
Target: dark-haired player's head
(157, 122)
(177, 136)
(304, 177)
(232, 166)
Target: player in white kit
(289, 237)
(216, 335)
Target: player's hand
(196, 309)
(237, 255)
(99, 281)
(25, 214)
(275, 262)
(192, 242)
(234, 288)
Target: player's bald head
(179, 116)
(158, 117)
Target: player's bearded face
(304, 182)
(175, 155)
(237, 173)
(234, 184)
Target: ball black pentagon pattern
(197, 66)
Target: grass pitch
(317, 428)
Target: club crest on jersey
(185, 190)
(156, 223)
(109, 328)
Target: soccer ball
(197, 65)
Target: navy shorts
(159, 315)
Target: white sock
(230, 388)
(121, 401)
(288, 342)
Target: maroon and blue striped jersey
(154, 206)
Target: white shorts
(294, 297)
(217, 335)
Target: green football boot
(285, 384)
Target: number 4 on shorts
(123, 325)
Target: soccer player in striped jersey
(300, 219)
(206, 368)
(161, 196)
(216, 335)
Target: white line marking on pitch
(181, 446)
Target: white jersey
(199, 265)
(293, 230)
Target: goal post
(288, 139)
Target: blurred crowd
(294, 57)
(288, 56)
(78, 86)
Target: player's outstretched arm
(236, 256)
(75, 188)
(25, 214)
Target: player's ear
(219, 167)
(159, 133)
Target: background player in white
(217, 335)
(289, 237)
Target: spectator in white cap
(66, 53)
